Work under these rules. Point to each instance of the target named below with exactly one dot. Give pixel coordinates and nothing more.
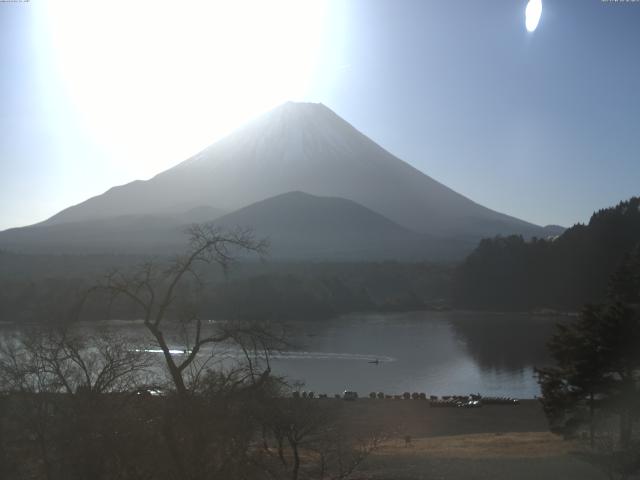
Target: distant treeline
(509, 273)
(47, 288)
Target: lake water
(438, 353)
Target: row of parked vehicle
(346, 395)
(471, 401)
(468, 401)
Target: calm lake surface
(438, 353)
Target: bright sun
(532, 13)
(180, 74)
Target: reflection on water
(172, 351)
(438, 353)
(302, 355)
(433, 352)
(237, 354)
(504, 341)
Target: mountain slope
(303, 147)
(299, 226)
(137, 233)
(303, 226)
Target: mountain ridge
(304, 226)
(296, 147)
(299, 226)
(304, 147)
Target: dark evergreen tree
(598, 359)
(509, 273)
(570, 389)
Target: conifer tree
(598, 359)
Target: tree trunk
(625, 428)
(176, 375)
(591, 420)
(174, 371)
(296, 461)
(172, 443)
(44, 453)
(265, 443)
(279, 439)
(626, 414)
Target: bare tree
(203, 432)
(63, 391)
(155, 290)
(340, 454)
(60, 361)
(312, 439)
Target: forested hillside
(46, 288)
(509, 273)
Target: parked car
(350, 395)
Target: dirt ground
(493, 442)
(418, 419)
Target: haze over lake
(438, 353)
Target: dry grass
(488, 443)
(483, 445)
(483, 456)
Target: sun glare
(532, 13)
(157, 81)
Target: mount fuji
(297, 147)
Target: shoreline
(545, 313)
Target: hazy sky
(544, 125)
